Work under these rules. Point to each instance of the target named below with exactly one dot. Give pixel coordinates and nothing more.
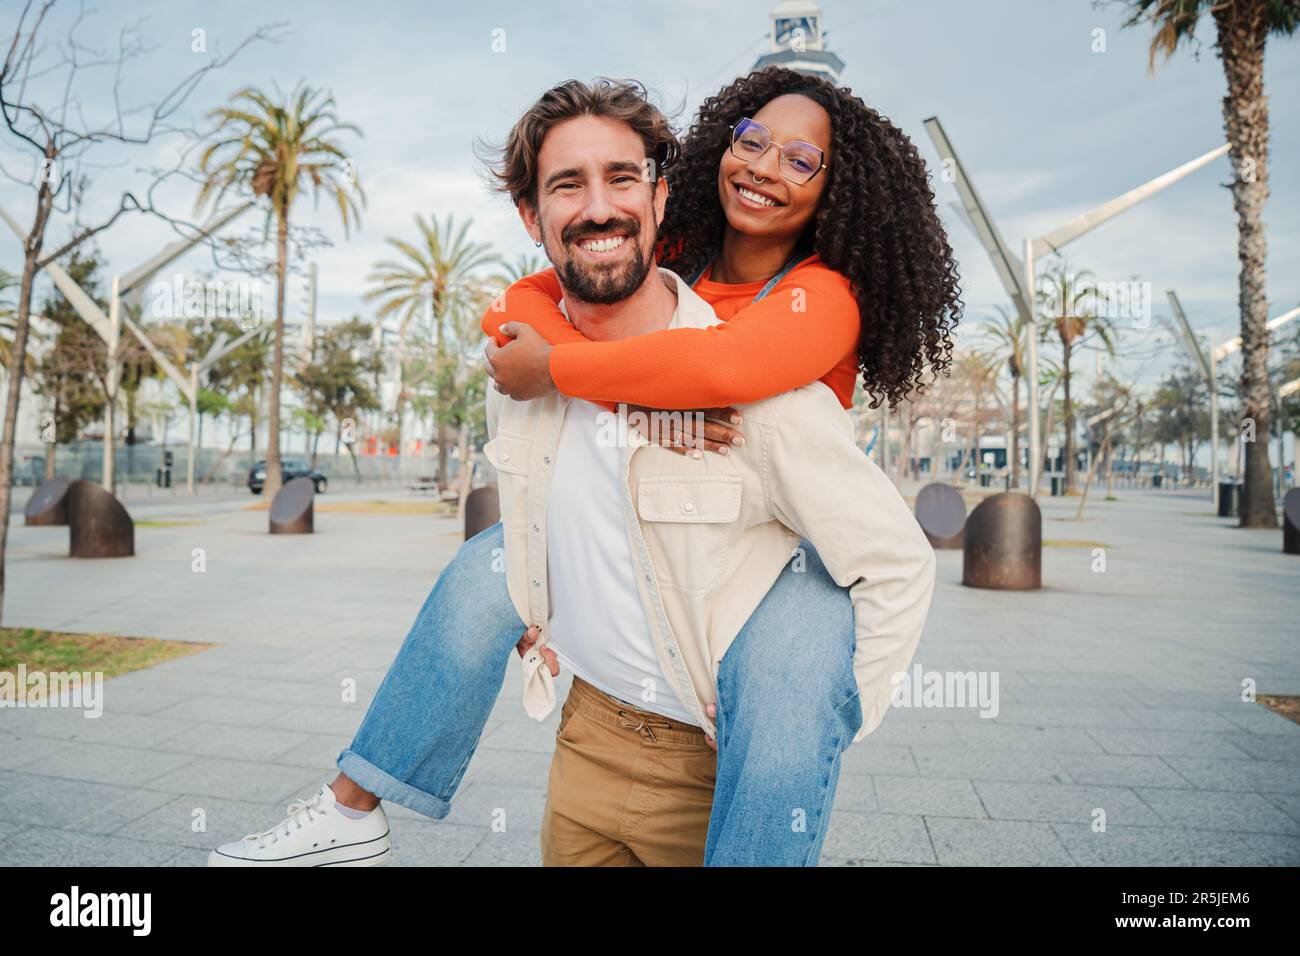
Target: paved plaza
(1120, 698)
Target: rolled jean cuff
(386, 787)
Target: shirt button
(688, 507)
(535, 529)
(536, 583)
(505, 456)
(546, 459)
(671, 652)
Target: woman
(845, 224)
(876, 280)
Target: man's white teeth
(603, 245)
(755, 197)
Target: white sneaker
(314, 834)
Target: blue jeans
(787, 705)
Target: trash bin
(1228, 499)
(1155, 480)
(985, 479)
(1058, 485)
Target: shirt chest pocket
(510, 454)
(689, 522)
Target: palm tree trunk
(1242, 30)
(466, 475)
(1069, 419)
(444, 441)
(1047, 434)
(401, 396)
(272, 484)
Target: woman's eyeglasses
(800, 161)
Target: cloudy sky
(1046, 124)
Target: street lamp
(219, 350)
(1018, 278)
(109, 327)
(1210, 368)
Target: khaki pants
(627, 787)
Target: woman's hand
(687, 432)
(548, 655)
(521, 368)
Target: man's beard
(600, 285)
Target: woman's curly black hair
(880, 228)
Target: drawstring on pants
(636, 722)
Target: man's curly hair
(877, 225)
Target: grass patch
(165, 524)
(1287, 706)
(375, 507)
(1067, 543)
(44, 651)
(391, 507)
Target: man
(669, 557)
(640, 566)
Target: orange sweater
(804, 330)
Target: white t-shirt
(598, 625)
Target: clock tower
(799, 41)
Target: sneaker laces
(300, 812)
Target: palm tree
(1070, 301)
(7, 325)
(274, 148)
(1006, 334)
(975, 374)
(437, 272)
(1243, 27)
(524, 264)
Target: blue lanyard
(771, 283)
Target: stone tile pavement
(1119, 693)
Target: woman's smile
(756, 198)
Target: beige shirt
(710, 536)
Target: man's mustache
(582, 230)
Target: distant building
(799, 41)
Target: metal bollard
(293, 510)
(48, 504)
(98, 525)
(941, 513)
(482, 510)
(1003, 549)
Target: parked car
(290, 468)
